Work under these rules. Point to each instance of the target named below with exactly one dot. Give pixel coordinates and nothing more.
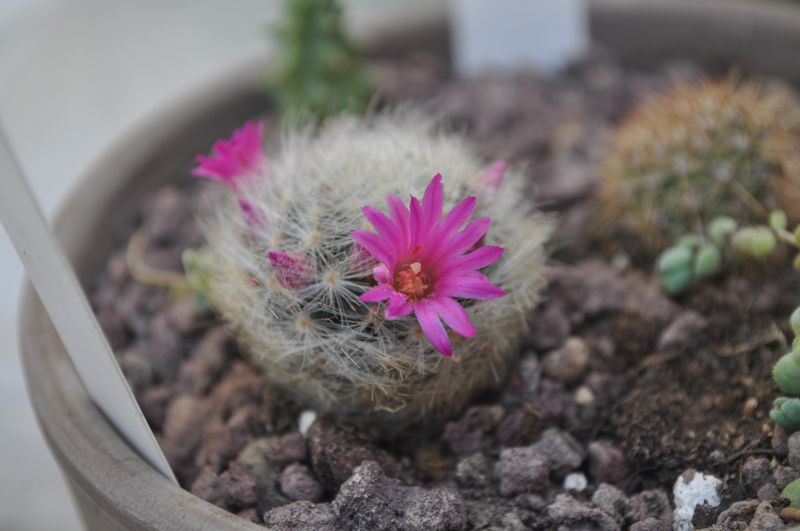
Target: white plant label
(508, 35)
(66, 304)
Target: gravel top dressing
(627, 409)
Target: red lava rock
(265, 474)
(780, 441)
(561, 448)
(784, 475)
(470, 433)
(238, 486)
(768, 492)
(522, 469)
(755, 472)
(738, 515)
(297, 484)
(650, 503)
(473, 471)
(553, 402)
(765, 519)
(336, 451)
(549, 328)
(607, 464)
(520, 427)
(289, 448)
(302, 515)
(163, 348)
(233, 490)
(568, 363)
(572, 514)
(206, 363)
(611, 500)
(682, 330)
(793, 446)
(222, 441)
(183, 428)
(241, 386)
(525, 380)
(371, 500)
(650, 524)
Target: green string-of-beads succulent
(696, 257)
(786, 373)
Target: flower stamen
(412, 281)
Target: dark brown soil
(617, 382)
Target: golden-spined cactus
(702, 150)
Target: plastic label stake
(65, 302)
(508, 35)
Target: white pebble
(692, 489)
(305, 421)
(576, 482)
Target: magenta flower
(425, 264)
(292, 270)
(237, 159)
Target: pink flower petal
(398, 307)
(388, 230)
(474, 286)
(292, 270)
(432, 327)
(467, 238)
(417, 229)
(433, 200)
(480, 257)
(381, 292)
(454, 316)
(372, 243)
(232, 160)
(457, 216)
(382, 274)
(400, 216)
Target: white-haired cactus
(306, 253)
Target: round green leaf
(707, 262)
(778, 220)
(678, 280)
(674, 258)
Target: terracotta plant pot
(113, 487)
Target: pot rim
(100, 466)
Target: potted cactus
(364, 330)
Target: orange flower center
(412, 281)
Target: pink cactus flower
(424, 265)
(292, 270)
(239, 158)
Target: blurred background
(74, 74)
